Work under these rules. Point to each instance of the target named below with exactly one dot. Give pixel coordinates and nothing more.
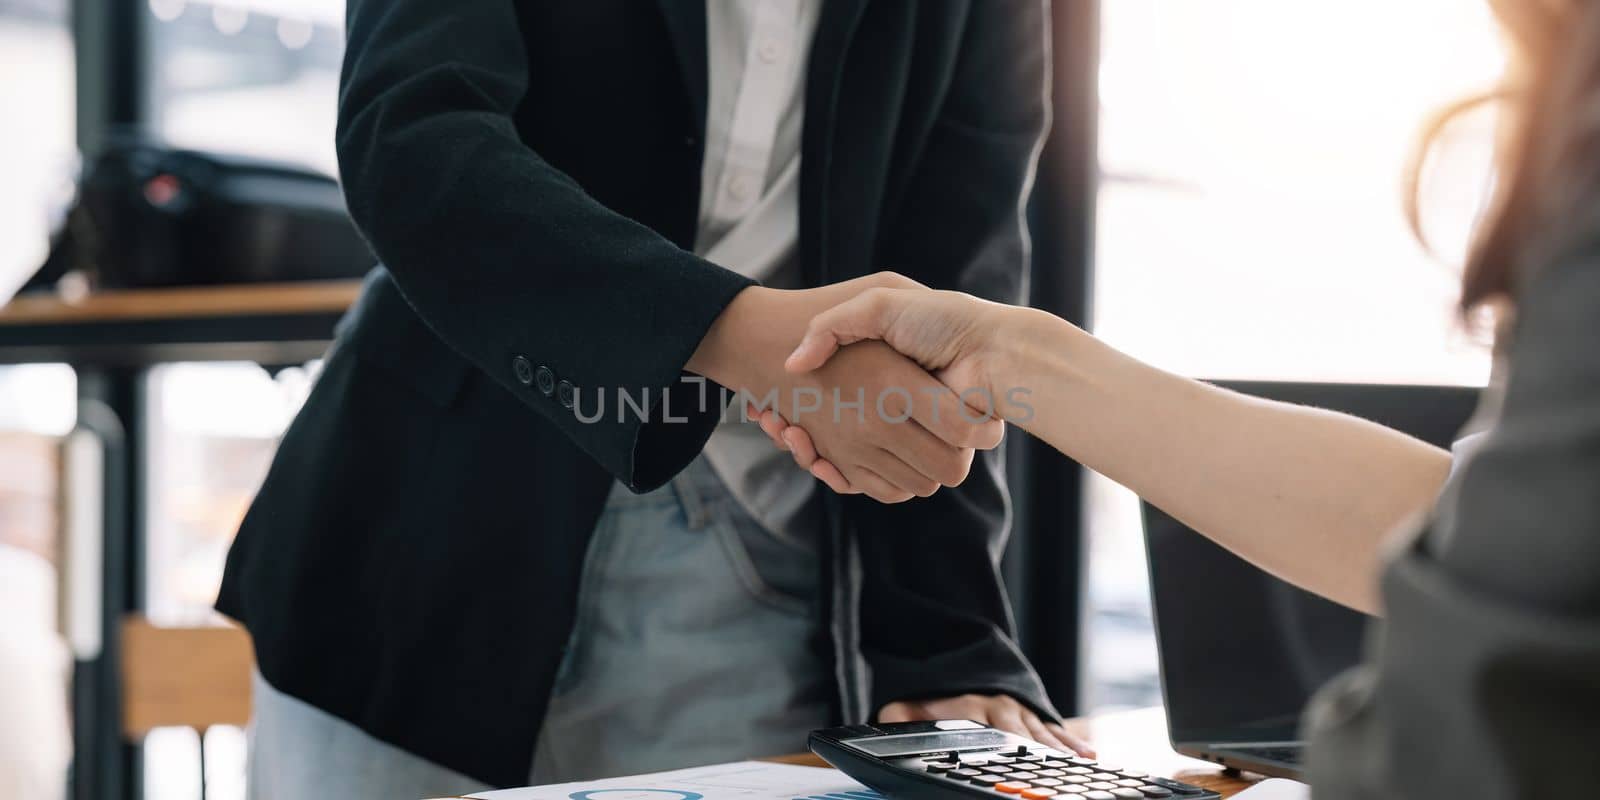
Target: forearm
(1306, 494)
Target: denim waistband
(697, 490)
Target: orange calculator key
(1039, 793)
(1010, 787)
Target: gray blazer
(1483, 680)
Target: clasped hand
(882, 424)
(954, 338)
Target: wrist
(746, 346)
(1033, 352)
(731, 351)
(1015, 345)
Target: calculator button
(1079, 762)
(1002, 760)
(1150, 790)
(1127, 794)
(1069, 797)
(1038, 793)
(938, 767)
(1054, 764)
(1099, 796)
(1075, 779)
(1132, 773)
(1023, 776)
(1011, 787)
(965, 773)
(1080, 771)
(1129, 782)
(1102, 786)
(985, 780)
(976, 762)
(1106, 768)
(1103, 776)
(1051, 773)
(998, 769)
(1052, 782)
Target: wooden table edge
(133, 305)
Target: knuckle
(877, 300)
(960, 430)
(955, 474)
(888, 278)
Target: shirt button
(769, 51)
(546, 379)
(740, 187)
(566, 394)
(523, 369)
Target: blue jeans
(695, 642)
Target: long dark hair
(1547, 153)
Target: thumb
(865, 316)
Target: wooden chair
(184, 677)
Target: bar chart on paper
(744, 780)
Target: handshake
(877, 385)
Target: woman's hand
(954, 336)
(948, 333)
(996, 711)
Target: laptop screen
(1241, 651)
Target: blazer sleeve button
(566, 394)
(523, 369)
(546, 380)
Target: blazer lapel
(836, 27)
(686, 25)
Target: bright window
(248, 77)
(1251, 226)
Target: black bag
(147, 216)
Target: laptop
(1241, 652)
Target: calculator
(963, 760)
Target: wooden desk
(274, 323)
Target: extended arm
(1307, 494)
(512, 264)
(499, 252)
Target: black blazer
(529, 173)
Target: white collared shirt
(757, 52)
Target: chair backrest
(183, 677)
